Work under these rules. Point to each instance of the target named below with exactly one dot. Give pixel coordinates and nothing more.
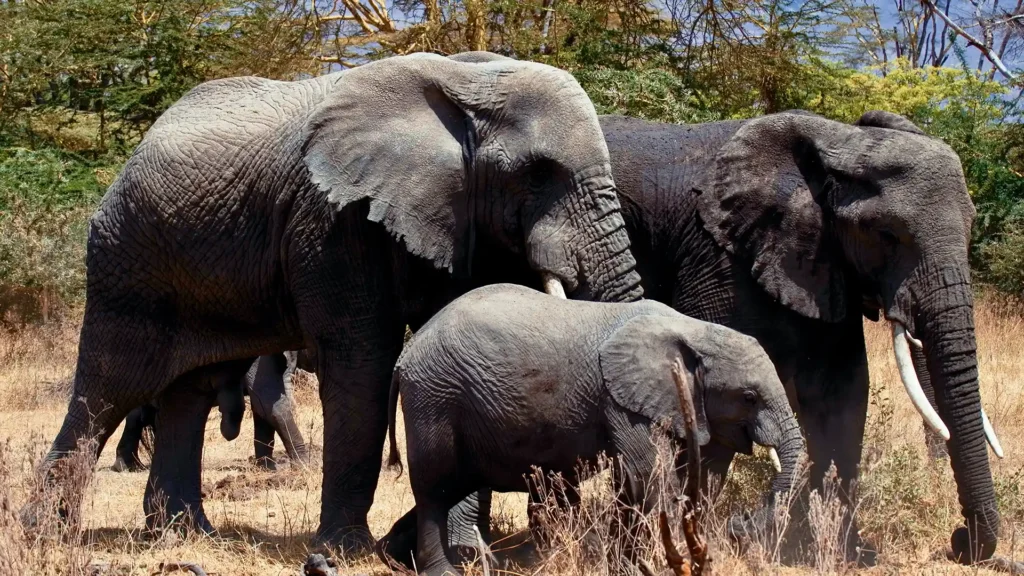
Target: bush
(1002, 258)
(46, 198)
(649, 92)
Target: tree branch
(986, 51)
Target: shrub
(46, 197)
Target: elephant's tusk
(774, 455)
(552, 285)
(990, 435)
(911, 383)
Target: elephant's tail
(394, 457)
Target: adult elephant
(259, 216)
(268, 384)
(791, 228)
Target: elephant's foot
(265, 463)
(127, 465)
(352, 541)
(398, 547)
(177, 516)
(758, 526)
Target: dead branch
(700, 560)
(982, 47)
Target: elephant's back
(244, 107)
(196, 209)
(515, 374)
(505, 333)
(648, 155)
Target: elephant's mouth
(871, 308)
(739, 439)
(557, 286)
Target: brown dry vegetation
(907, 502)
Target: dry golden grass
(907, 502)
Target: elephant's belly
(552, 449)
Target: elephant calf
(505, 378)
(268, 385)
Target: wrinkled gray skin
(260, 216)
(268, 384)
(792, 228)
(506, 378)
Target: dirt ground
(907, 501)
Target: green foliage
(648, 92)
(82, 80)
(46, 197)
(123, 63)
(895, 492)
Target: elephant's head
(737, 395)
(456, 155)
(837, 220)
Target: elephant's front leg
(833, 412)
(354, 391)
(173, 493)
(716, 458)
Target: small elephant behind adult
(268, 383)
(506, 378)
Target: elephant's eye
(889, 238)
(750, 396)
(540, 173)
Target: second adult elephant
(268, 384)
(259, 216)
(793, 228)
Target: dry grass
(907, 502)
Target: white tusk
(552, 285)
(911, 383)
(775, 459)
(914, 341)
(990, 435)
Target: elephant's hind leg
(128, 447)
(263, 441)
(88, 425)
(173, 493)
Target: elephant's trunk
(607, 270)
(778, 429)
(775, 427)
(945, 323)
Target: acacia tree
(986, 35)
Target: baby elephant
(505, 378)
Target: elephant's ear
(398, 132)
(636, 366)
(883, 119)
(767, 203)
